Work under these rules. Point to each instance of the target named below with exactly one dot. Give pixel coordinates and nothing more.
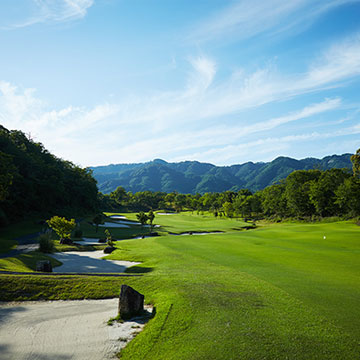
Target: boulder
(131, 302)
(43, 266)
(66, 241)
(102, 240)
(109, 249)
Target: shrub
(46, 243)
(78, 233)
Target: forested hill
(196, 177)
(35, 182)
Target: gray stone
(44, 266)
(65, 241)
(131, 302)
(109, 249)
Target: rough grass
(72, 287)
(25, 262)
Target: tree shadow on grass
(139, 270)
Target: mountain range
(190, 177)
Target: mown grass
(187, 221)
(25, 262)
(278, 292)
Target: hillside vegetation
(35, 182)
(190, 177)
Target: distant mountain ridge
(196, 177)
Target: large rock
(109, 249)
(66, 241)
(131, 302)
(44, 266)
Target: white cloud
(133, 129)
(204, 99)
(54, 11)
(244, 19)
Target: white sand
(117, 217)
(63, 330)
(165, 213)
(113, 225)
(89, 261)
(127, 222)
(89, 241)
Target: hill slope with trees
(190, 177)
(35, 182)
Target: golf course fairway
(281, 291)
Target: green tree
(355, 159)
(297, 187)
(151, 217)
(322, 191)
(228, 209)
(142, 217)
(273, 200)
(97, 220)
(119, 196)
(62, 227)
(348, 196)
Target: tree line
(303, 194)
(33, 182)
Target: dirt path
(62, 330)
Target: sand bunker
(63, 330)
(117, 217)
(128, 222)
(166, 213)
(89, 241)
(114, 225)
(89, 261)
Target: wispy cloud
(53, 11)
(205, 98)
(204, 114)
(244, 19)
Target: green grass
(118, 233)
(72, 287)
(25, 262)
(281, 291)
(277, 292)
(187, 221)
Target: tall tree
(355, 159)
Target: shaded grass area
(27, 287)
(9, 234)
(25, 262)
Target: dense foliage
(33, 181)
(303, 194)
(191, 177)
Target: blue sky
(225, 82)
